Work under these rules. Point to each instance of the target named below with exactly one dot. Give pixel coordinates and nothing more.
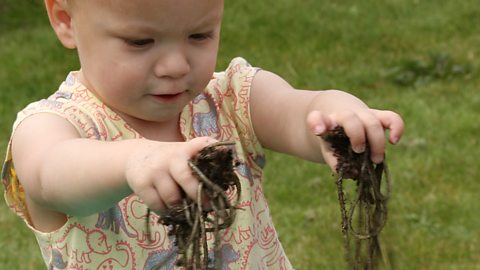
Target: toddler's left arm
(290, 121)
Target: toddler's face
(147, 58)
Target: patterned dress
(122, 237)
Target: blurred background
(417, 57)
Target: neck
(168, 131)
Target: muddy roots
(191, 220)
(366, 215)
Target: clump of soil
(367, 214)
(191, 221)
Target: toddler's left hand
(360, 126)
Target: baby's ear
(61, 21)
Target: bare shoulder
(31, 141)
(39, 131)
(33, 138)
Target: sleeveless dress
(121, 237)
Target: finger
(331, 160)
(195, 145)
(319, 123)
(354, 129)
(181, 173)
(152, 199)
(168, 191)
(376, 138)
(393, 122)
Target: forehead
(149, 6)
(159, 14)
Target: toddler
(85, 165)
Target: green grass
(433, 219)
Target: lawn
(416, 57)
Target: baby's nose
(174, 63)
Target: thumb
(197, 144)
(328, 155)
(319, 123)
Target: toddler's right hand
(159, 174)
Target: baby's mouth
(168, 97)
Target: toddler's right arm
(66, 174)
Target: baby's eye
(201, 36)
(139, 42)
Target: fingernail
(377, 160)
(318, 129)
(359, 149)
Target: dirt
(363, 221)
(191, 221)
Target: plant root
(367, 214)
(190, 221)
